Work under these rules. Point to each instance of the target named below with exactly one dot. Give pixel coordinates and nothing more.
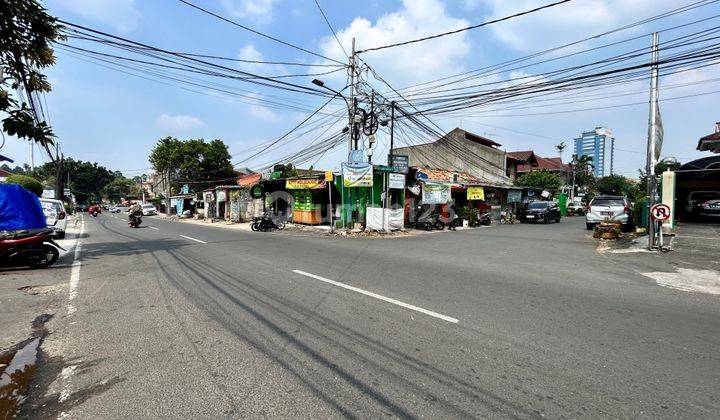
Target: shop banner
(357, 175)
(476, 193)
(396, 181)
(514, 196)
(435, 193)
(305, 184)
(378, 218)
(221, 196)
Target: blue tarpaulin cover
(19, 209)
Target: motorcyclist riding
(135, 211)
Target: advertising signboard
(476, 193)
(514, 196)
(305, 184)
(357, 175)
(435, 193)
(400, 163)
(396, 181)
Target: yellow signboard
(305, 184)
(329, 176)
(476, 193)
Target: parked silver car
(611, 208)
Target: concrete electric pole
(652, 140)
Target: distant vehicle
(539, 212)
(701, 204)
(55, 216)
(119, 208)
(81, 208)
(94, 210)
(149, 210)
(575, 207)
(611, 208)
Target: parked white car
(55, 215)
(609, 207)
(118, 208)
(149, 210)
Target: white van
(55, 215)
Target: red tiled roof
(4, 173)
(248, 180)
(444, 175)
(550, 164)
(523, 156)
(713, 136)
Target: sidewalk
(320, 230)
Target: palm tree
(560, 147)
(584, 162)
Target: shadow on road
(290, 329)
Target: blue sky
(102, 115)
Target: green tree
(29, 183)
(193, 162)
(616, 185)
(26, 34)
(539, 179)
(121, 188)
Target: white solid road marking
(153, 227)
(380, 297)
(193, 239)
(75, 271)
(69, 371)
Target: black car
(539, 212)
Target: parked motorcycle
(135, 221)
(35, 249)
(266, 223)
(429, 223)
(484, 219)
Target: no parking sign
(660, 212)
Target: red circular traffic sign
(660, 212)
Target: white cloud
(566, 22)
(263, 113)
(411, 63)
(178, 122)
(258, 10)
(120, 14)
(250, 53)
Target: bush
(69, 209)
(467, 213)
(29, 183)
(640, 203)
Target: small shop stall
(180, 203)
(310, 198)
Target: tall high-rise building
(600, 145)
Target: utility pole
(167, 191)
(351, 123)
(58, 173)
(573, 165)
(652, 139)
(392, 126)
(32, 156)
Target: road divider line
(153, 227)
(193, 239)
(379, 297)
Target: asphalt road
(183, 321)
